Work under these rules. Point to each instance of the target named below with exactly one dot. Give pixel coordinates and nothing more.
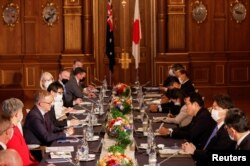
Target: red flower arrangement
(122, 89)
(114, 126)
(115, 159)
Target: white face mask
(215, 114)
(177, 103)
(58, 97)
(47, 83)
(58, 104)
(171, 72)
(180, 80)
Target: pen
(161, 125)
(74, 117)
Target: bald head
(10, 157)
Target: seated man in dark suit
(201, 126)
(219, 139)
(6, 131)
(74, 91)
(186, 83)
(58, 110)
(165, 103)
(238, 128)
(38, 128)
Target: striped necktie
(211, 136)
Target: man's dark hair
(178, 93)
(54, 86)
(63, 69)
(237, 119)
(196, 97)
(170, 80)
(177, 66)
(224, 101)
(79, 70)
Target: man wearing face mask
(6, 131)
(58, 110)
(238, 128)
(219, 139)
(165, 104)
(73, 87)
(63, 77)
(12, 108)
(186, 83)
(174, 68)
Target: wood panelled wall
(216, 52)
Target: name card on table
(60, 149)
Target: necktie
(211, 136)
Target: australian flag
(110, 51)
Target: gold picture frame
(199, 11)
(10, 14)
(238, 11)
(50, 13)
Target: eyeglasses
(9, 127)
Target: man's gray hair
(11, 106)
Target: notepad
(56, 155)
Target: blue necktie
(211, 136)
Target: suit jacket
(198, 131)
(220, 141)
(36, 131)
(18, 143)
(166, 107)
(245, 143)
(170, 108)
(53, 119)
(73, 91)
(188, 87)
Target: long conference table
(141, 155)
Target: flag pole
(137, 75)
(110, 78)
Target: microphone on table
(98, 147)
(96, 79)
(148, 82)
(168, 158)
(92, 101)
(93, 84)
(84, 107)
